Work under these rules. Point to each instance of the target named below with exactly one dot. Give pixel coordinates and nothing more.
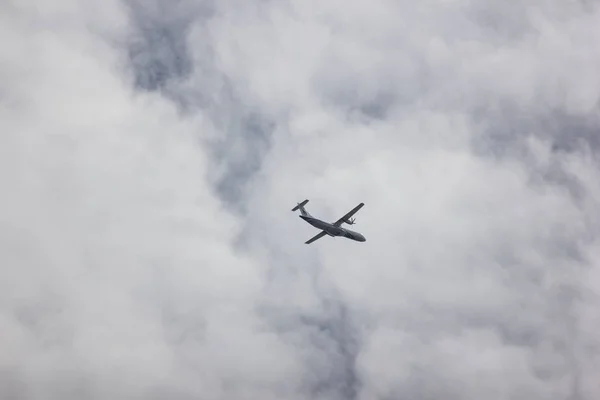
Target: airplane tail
(300, 206)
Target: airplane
(331, 229)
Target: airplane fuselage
(333, 230)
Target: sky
(151, 152)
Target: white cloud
(124, 273)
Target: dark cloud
(162, 59)
(159, 51)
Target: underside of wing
(348, 215)
(317, 236)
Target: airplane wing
(317, 236)
(348, 215)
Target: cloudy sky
(151, 151)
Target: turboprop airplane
(331, 229)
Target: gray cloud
(147, 246)
(159, 50)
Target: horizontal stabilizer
(300, 205)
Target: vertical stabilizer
(300, 206)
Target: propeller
(351, 221)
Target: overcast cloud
(151, 151)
